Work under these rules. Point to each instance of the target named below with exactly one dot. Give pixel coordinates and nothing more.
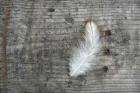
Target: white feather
(84, 56)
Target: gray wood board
(41, 33)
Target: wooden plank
(41, 34)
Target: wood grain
(41, 34)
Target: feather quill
(84, 56)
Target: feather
(84, 55)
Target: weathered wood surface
(37, 36)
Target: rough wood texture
(37, 36)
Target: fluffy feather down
(84, 56)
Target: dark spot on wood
(68, 69)
(125, 17)
(114, 54)
(106, 51)
(69, 83)
(106, 33)
(51, 10)
(3, 18)
(68, 74)
(81, 77)
(69, 20)
(105, 68)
